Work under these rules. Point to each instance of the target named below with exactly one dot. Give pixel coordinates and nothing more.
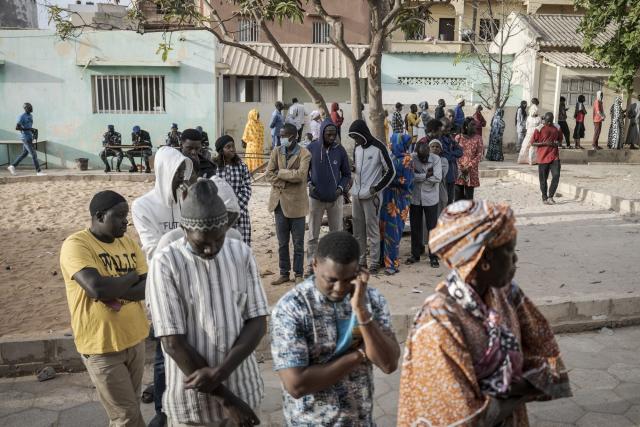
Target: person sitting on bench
(111, 137)
(142, 139)
(173, 137)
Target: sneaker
(545, 201)
(280, 280)
(160, 420)
(299, 278)
(374, 270)
(133, 170)
(551, 201)
(434, 262)
(411, 260)
(41, 173)
(107, 170)
(12, 170)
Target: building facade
(79, 86)
(18, 14)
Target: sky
(43, 17)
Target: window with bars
(572, 88)
(248, 30)
(488, 29)
(321, 31)
(418, 34)
(128, 94)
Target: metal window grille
(572, 88)
(128, 94)
(488, 29)
(248, 30)
(321, 31)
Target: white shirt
(296, 115)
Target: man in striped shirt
(209, 309)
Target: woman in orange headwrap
(253, 140)
(479, 349)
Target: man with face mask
(25, 126)
(288, 171)
(547, 138)
(216, 281)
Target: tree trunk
(356, 92)
(316, 97)
(374, 82)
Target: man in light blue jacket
(276, 123)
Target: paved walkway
(605, 376)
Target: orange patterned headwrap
(466, 228)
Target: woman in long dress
(633, 135)
(253, 140)
(494, 152)
(614, 141)
(533, 121)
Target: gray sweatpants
(366, 228)
(316, 212)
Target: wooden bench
(42, 143)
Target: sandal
(434, 262)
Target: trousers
(543, 174)
(28, 148)
(316, 212)
(366, 228)
(290, 229)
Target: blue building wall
(440, 77)
(55, 77)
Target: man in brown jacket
(287, 172)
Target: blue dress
(396, 199)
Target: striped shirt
(209, 301)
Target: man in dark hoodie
(191, 147)
(329, 176)
(374, 171)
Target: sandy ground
(565, 251)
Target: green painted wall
(40, 69)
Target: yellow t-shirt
(97, 328)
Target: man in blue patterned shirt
(327, 333)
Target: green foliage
(413, 17)
(622, 51)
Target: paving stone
(548, 424)
(381, 386)
(32, 418)
(625, 372)
(593, 419)
(605, 401)
(389, 402)
(272, 400)
(275, 419)
(6, 384)
(629, 392)
(633, 414)
(626, 338)
(30, 384)
(15, 401)
(593, 379)
(377, 411)
(580, 360)
(386, 421)
(68, 398)
(580, 343)
(621, 355)
(86, 415)
(562, 411)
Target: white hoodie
(156, 212)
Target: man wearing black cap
(140, 138)
(210, 361)
(110, 138)
(105, 276)
(173, 137)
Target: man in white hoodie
(155, 214)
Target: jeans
(110, 152)
(286, 228)
(366, 228)
(28, 149)
(316, 212)
(159, 379)
(543, 174)
(464, 193)
(416, 216)
(451, 192)
(565, 131)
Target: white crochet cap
(226, 193)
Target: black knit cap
(222, 141)
(105, 200)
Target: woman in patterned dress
(479, 349)
(617, 121)
(468, 165)
(395, 203)
(253, 141)
(494, 152)
(232, 169)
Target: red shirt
(547, 133)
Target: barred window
(321, 31)
(418, 34)
(572, 88)
(248, 30)
(488, 29)
(128, 94)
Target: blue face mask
(286, 142)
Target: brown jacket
(289, 182)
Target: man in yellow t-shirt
(105, 274)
